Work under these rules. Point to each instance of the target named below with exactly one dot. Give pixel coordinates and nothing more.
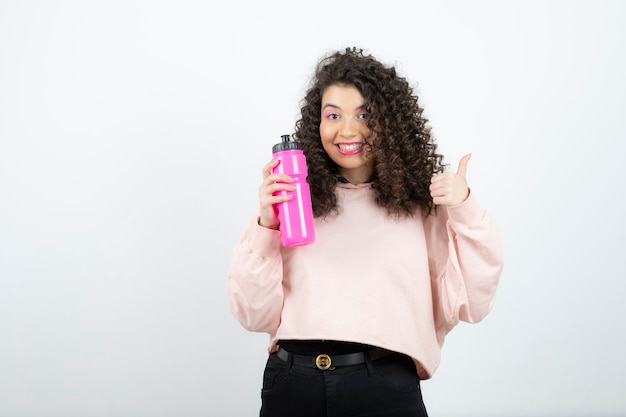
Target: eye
(332, 116)
(364, 116)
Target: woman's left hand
(448, 188)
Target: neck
(358, 176)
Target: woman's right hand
(267, 200)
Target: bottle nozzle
(285, 144)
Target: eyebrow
(361, 107)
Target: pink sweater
(400, 284)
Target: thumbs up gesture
(448, 188)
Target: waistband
(324, 361)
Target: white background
(132, 136)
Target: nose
(348, 128)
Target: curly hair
(405, 155)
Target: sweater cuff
(469, 213)
(264, 241)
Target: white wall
(132, 135)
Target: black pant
(386, 387)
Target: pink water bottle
(295, 215)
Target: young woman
(403, 251)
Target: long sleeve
(465, 261)
(255, 275)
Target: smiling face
(344, 132)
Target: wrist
(271, 225)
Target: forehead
(343, 96)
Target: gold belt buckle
(323, 362)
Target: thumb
(463, 165)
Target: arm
(255, 275)
(464, 252)
(465, 260)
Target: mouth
(350, 148)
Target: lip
(350, 148)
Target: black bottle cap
(285, 145)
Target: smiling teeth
(351, 147)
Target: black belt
(324, 361)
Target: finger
(463, 165)
(267, 169)
(272, 195)
(437, 178)
(277, 178)
(270, 201)
(441, 178)
(280, 186)
(439, 192)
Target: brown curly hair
(404, 152)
